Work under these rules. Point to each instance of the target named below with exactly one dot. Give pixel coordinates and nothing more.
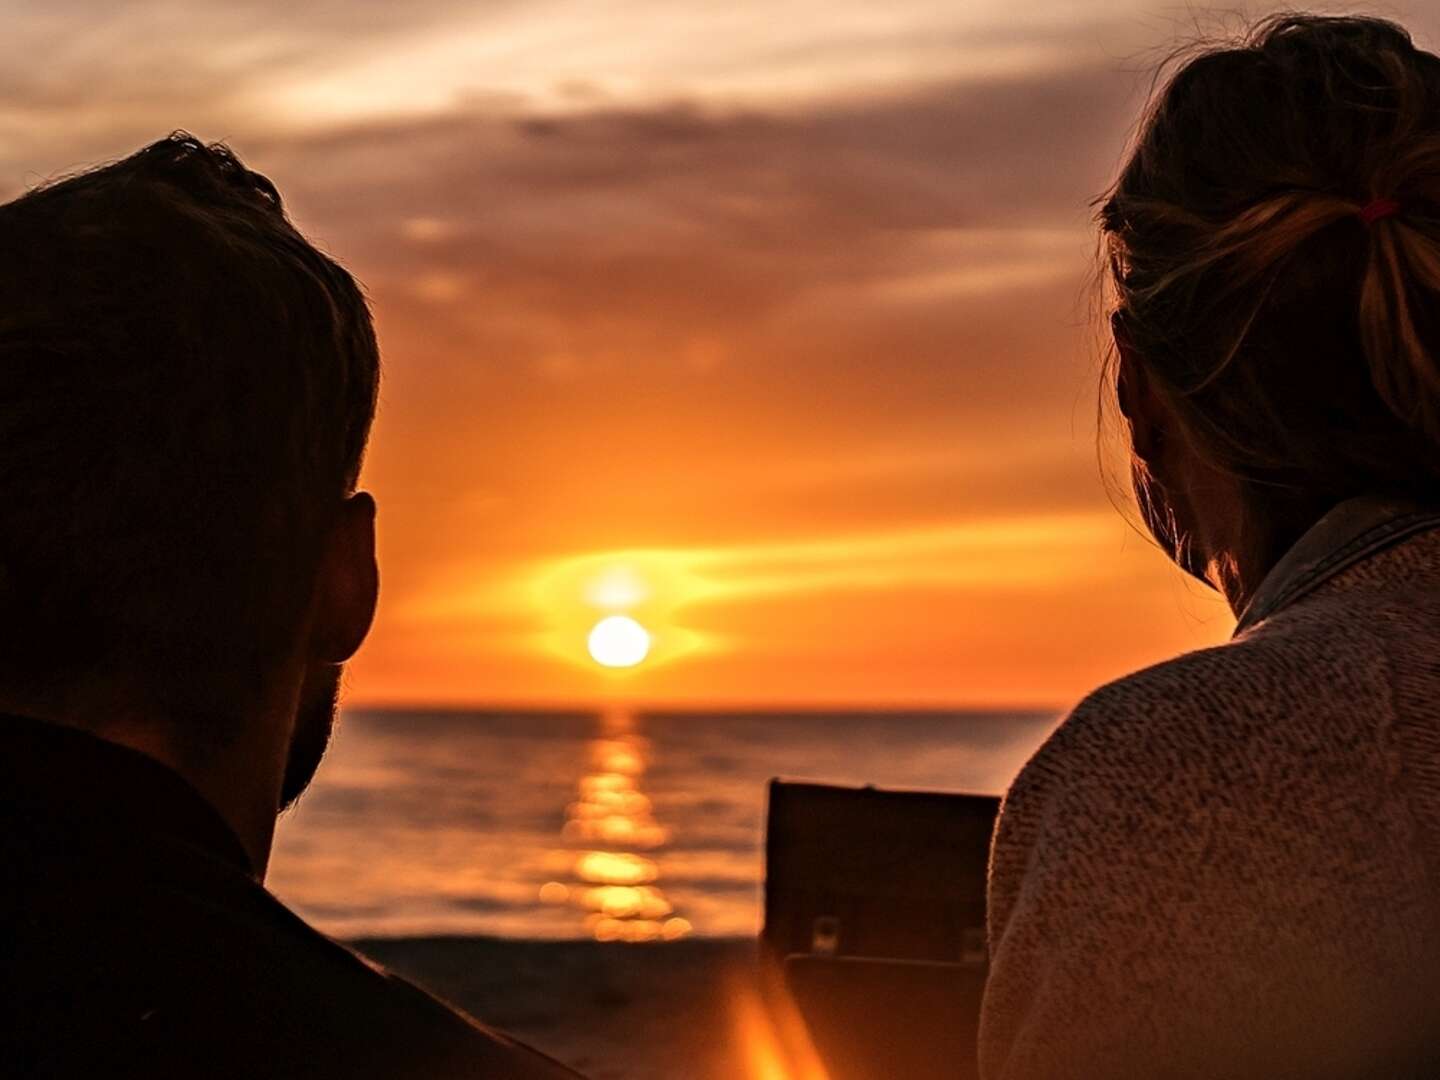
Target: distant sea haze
(610, 824)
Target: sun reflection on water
(613, 882)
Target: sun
(618, 641)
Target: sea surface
(616, 824)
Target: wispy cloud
(783, 303)
(681, 594)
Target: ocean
(613, 824)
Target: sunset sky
(763, 322)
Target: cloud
(681, 326)
(749, 294)
(683, 593)
(631, 239)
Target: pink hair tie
(1376, 209)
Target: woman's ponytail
(1273, 248)
(1399, 309)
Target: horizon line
(662, 708)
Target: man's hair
(186, 390)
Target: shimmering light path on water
(610, 824)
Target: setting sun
(618, 641)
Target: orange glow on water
(628, 901)
(616, 888)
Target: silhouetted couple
(1227, 865)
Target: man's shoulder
(374, 1022)
(161, 961)
(390, 1018)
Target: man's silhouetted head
(186, 390)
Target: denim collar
(1354, 530)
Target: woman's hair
(1297, 341)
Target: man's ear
(347, 586)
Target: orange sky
(777, 311)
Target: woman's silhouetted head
(1273, 243)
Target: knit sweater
(1226, 865)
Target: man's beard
(314, 723)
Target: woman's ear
(347, 586)
(1139, 403)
